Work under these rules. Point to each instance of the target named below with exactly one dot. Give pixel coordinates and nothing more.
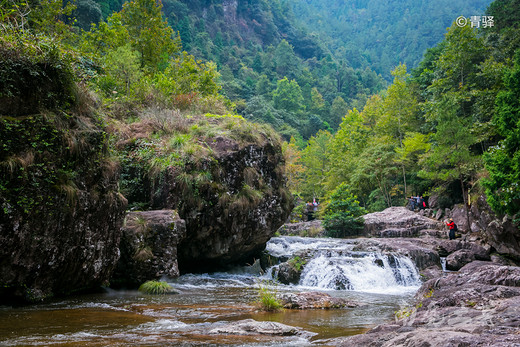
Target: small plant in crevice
(156, 288)
(268, 297)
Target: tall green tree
(149, 33)
(316, 165)
(400, 109)
(503, 161)
(450, 109)
(288, 95)
(342, 216)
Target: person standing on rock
(453, 228)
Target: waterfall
(367, 272)
(443, 263)
(334, 265)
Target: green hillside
(381, 34)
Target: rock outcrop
(399, 222)
(479, 306)
(235, 224)
(60, 210)
(148, 247)
(232, 193)
(312, 228)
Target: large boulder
(397, 222)
(236, 224)
(230, 189)
(149, 247)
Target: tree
(449, 110)
(345, 149)
(293, 167)
(342, 216)
(122, 72)
(150, 35)
(399, 110)
(288, 95)
(503, 161)
(316, 162)
(317, 102)
(338, 109)
(285, 59)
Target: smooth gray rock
(252, 327)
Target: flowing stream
(380, 283)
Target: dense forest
(380, 35)
(448, 127)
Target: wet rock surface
(252, 327)
(314, 300)
(288, 274)
(478, 306)
(148, 247)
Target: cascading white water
(336, 266)
(367, 272)
(443, 263)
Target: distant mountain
(381, 34)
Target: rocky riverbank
(477, 306)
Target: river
(379, 283)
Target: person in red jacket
(453, 228)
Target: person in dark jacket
(453, 228)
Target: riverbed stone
(288, 274)
(313, 228)
(253, 327)
(458, 259)
(314, 300)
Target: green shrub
(342, 216)
(156, 288)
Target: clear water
(206, 301)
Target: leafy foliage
(342, 214)
(503, 160)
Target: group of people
(417, 202)
(312, 208)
